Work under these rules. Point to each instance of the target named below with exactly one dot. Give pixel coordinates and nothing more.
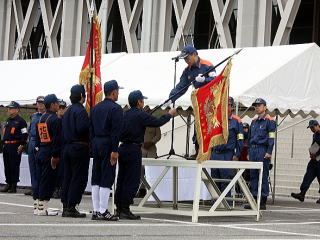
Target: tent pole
(275, 160)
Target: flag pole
(91, 55)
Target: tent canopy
(286, 76)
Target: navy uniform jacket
(262, 132)
(15, 130)
(135, 123)
(106, 122)
(235, 139)
(52, 137)
(34, 119)
(316, 138)
(189, 74)
(75, 124)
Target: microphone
(176, 58)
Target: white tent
(286, 76)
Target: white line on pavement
(94, 224)
(274, 231)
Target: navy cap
(313, 123)
(78, 89)
(111, 85)
(13, 104)
(231, 101)
(187, 50)
(50, 98)
(40, 99)
(259, 101)
(136, 95)
(62, 103)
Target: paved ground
(287, 219)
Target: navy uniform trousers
(32, 164)
(313, 171)
(47, 175)
(222, 173)
(129, 174)
(256, 154)
(103, 173)
(76, 164)
(11, 161)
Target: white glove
(212, 74)
(200, 79)
(167, 104)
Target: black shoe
(318, 201)
(13, 188)
(263, 207)
(28, 193)
(94, 216)
(74, 213)
(107, 216)
(298, 196)
(127, 214)
(5, 188)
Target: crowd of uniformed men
(60, 141)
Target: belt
(13, 141)
(257, 145)
(80, 142)
(132, 143)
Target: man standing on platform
(130, 157)
(34, 119)
(105, 130)
(230, 151)
(261, 141)
(196, 67)
(15, 135)
(75, 126)
(48, 142)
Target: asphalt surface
(286, 219)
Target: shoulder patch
(206, 62)
(237, 118)
(269, 117)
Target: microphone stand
(172, 151)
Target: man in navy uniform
(230, 151)
(48, 142)
(130, 157)
(15, 135)
(196, 67)
(60, 166)
(261, 141)
(313, 168)
(34, 119)
(75, 128)
(105, 130)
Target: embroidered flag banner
(210, 105)
(88, 67)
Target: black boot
(127, 214)
(263, 203)
(299, 196)
(73, 212)
(13, 188)
(65, 210)
(6, 188)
